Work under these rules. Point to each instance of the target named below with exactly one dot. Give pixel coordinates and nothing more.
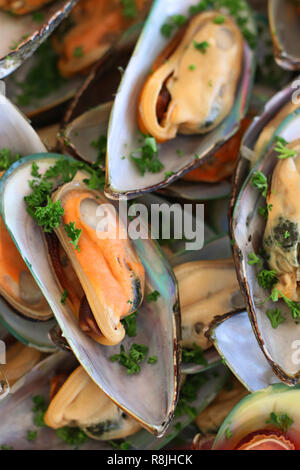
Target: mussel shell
(247, 228)
(33, 34)
(122, 178)
(284, 21)
(158, 323)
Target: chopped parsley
(293, 306)
(175, 21)
(100, 144)
(38, 16)
(131, 361)
(264, 211)
(39, 409)
(6, 447)
(42, 79)
(168, 174)
(188, 394)
(267, 278)
(148, 156)
(260, 182)
(73, 233)
(283, 421)
(123, 446)
(228, 433)
(192, 67)
(219, 19)
(31, 435)
(64, 296)
(282, 150)
(201, 46)
(35, 170)
(72, 436)
(6, 159)
(49, 216)
(254, 259)
(275, 317)
(129, 324)
(152, 360)
(153, 296)
(129, 9)
(194, 355)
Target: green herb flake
(192, 67)
(72, 436)
(260, 182)
(35, 170)
(78, 52)
(275, 317)
(64, 296)
(201, 46)
(131, 360)
(152, 360)
(219, 19)
(228, 433)
(31, 435)
(282, 150)
(39, 410)
(129, 9)
(48, 217)
(267, 278)
(6, 159)
(195, 355)
(100, 145)
(38, 16)
(129, 324)
(147, 160)
(283, 421)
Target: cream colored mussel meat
(193, 86)
(206, 289)
(79, 402)
(281, 237)
(20, 359)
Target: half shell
(280, 118)
(20, 36)
(284, 18)
(131, 393)
(123, 178)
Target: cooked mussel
(80, 403)
(110, 273)
(20, 359)
(22, 7)
(181, 96)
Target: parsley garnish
(192, 67)
(64, 296)
(78, 52)
(100, 145)
(175, 21)
(260, 182)
(31, 435)
(35, 170)
(72, 436)
(148, 159)
(49, 216)
(275, 317)
(283, 422)
(194, 355)
(123, 446)
(38, 16)
(188, 394)
(153, 296)
(129, 9)
(6, 159)
(293, 306)
(228, 433)
(39, 409)
(282, 150)
(254, 259)
(73, 233)
(129, 324)
(201, 46)
(6, 447)
(219, 19)
(152, 360)
(137, 354)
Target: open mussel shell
(284, 18)
(217, 249)
(233, 338)
(21, 36)
(212, 383)
(281, 117)
(122, 177)
(17, 416)
(17, 135)
(157, 323)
